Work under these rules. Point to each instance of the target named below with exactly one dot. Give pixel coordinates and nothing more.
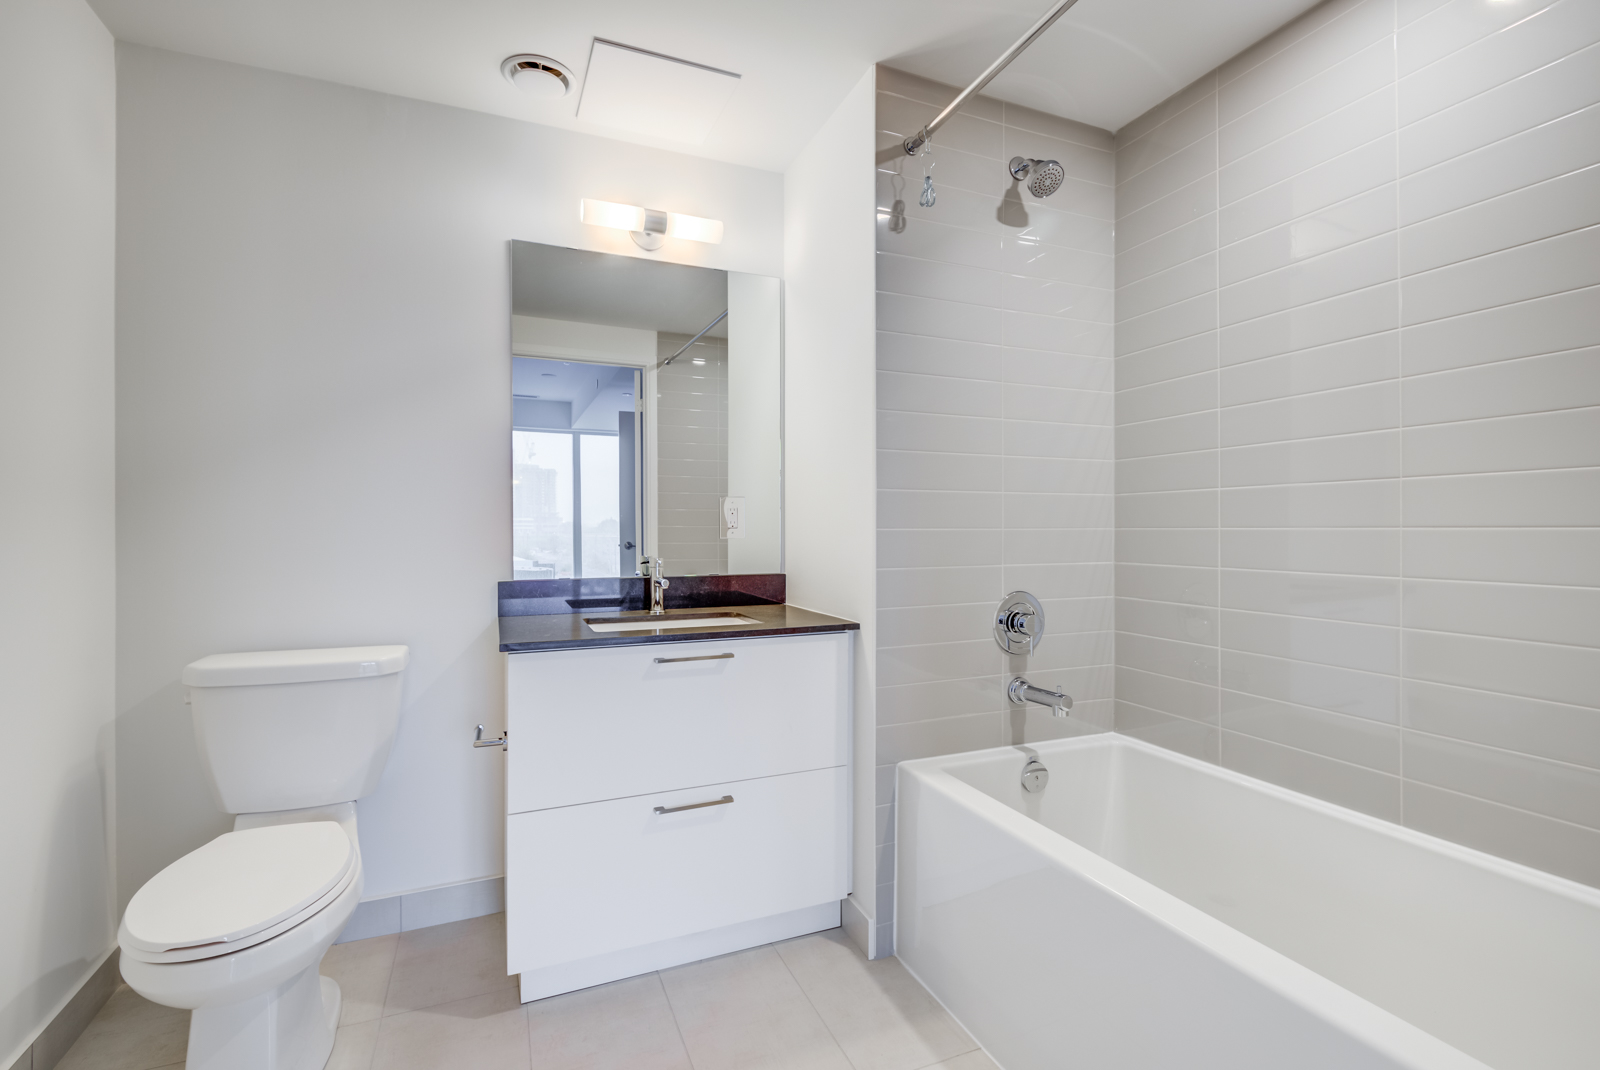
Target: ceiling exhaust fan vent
(537, 76)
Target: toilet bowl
(235, 931)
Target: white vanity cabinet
(667, 802)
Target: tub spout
(1021, 692)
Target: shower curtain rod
(916, 141)
(695, 339)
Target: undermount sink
(645, 622)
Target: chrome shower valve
(1019, 623)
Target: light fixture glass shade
(611, 214)
(694, 228)
(641, 220)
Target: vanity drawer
(587, 880)
(608, 722)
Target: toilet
(235, 931)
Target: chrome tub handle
(724, 801)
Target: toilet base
(290, 1027)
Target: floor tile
(972, 1060)
(362, 968)
(130, 1033)
(353, 1046)
(439, 997)
(445, 963)
(626, 1025)
(880, 1015)
(488, 1032)
(746, 1012)
(127, 1005)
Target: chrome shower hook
(928, 195)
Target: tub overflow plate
(1035, 777)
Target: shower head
(1044, 176)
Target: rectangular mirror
(646, 416)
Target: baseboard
(883, 946)
(74, 1016)
(857, 926)
(428, 906)
(586, 973)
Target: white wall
(57, 539)
(830, 410)
(755, 420)
(1358, 408)
(995, 429)
(313, 399)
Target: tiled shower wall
(994, 431)
(1358, 501)
(692, 454)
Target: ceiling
(555, 283)
(1104, 63)
(565, 380)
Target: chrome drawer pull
(724, 801)
(702, 657)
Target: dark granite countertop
(559, 631)
(549, 614)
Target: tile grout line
(811, 1003)
(677, 1025)
(1400, 417)
(1216, 290)
(388, 984)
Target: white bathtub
(1148, 911)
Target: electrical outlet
(733, 518)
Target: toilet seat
(240, 889)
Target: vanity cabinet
(667, 802)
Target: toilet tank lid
(295, 666)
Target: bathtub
(1149, 911)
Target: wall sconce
(650, 227)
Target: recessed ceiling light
(537, 76)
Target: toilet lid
(238, 884)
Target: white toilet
(235, 930)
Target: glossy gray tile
(1401, 224)
(1354, 786)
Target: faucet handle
(1019, 623)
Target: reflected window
(541, 505)
(574, 498)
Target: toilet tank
(286, 729)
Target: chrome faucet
(657, 574)
(1021, 692)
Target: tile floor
(439, 997)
